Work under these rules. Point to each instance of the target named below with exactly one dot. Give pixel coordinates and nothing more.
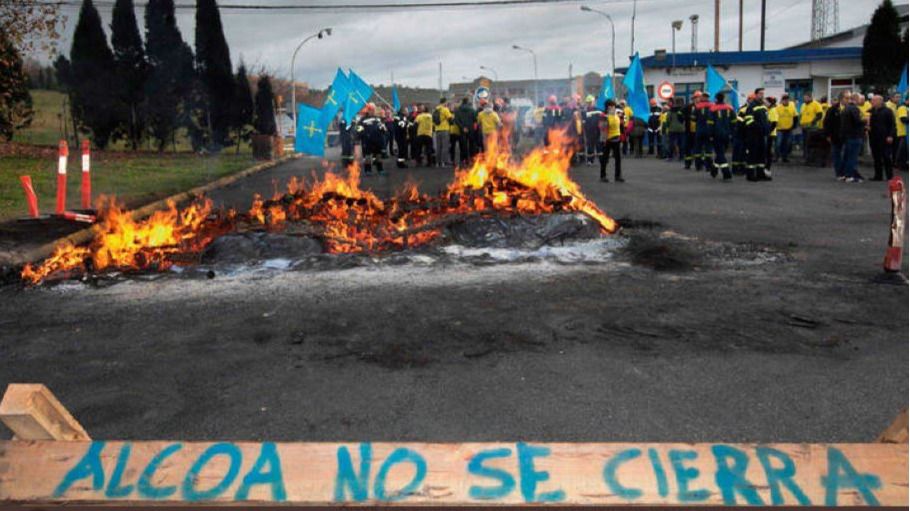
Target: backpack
(437, 116)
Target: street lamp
(325, 32)
(676, 26)
(534, 56)
(585, 8)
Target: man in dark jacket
(689, 123)
(882, 132)
(852, 129)
(654, 138)
(756, 128)
(676, 130)
(722, 116)
(466, 120)
(831, 127)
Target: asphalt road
(749, 312)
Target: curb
(84, 235)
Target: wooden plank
(896, 433)
(203, 474)
(32, 412)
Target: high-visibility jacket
(445, 116)
(901, 119)
(628, 111)
(424, 123)
(866, 109)
(724, 118)
(611, 127)
(703, 117)
(811, 115)
(489, 122)
(755, 121)
(785, 116)
(772, 120)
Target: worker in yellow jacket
(786, 121)
(489, 122)
(811, 117)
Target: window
(685, 90)
(796, 89)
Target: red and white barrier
(894, 253)
(63, 153)
(30, 198)
(86, 176)
(79, 217)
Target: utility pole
(764, 5)
(634, 4)
(716, 25)
(740, 25)
(694, 19)
(440, 79)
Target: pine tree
(265, 107)
(883, 55)
(15, 102)
(242, 106)
(92, 64)
(130, 70)
(170, 71)
(213, 63)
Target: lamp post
(325, 32)
(675, 26)
(585, 8)
(534, 56)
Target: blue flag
(715, 82)
(902, 86)
(339, 91)
(606, 91)
(636, 94)
(358, 96)
(396, 104)
(310, 133)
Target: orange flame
(349, 218)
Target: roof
(730, 58)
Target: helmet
(589, 99)
(696, 94)
(551, 99)
(653, 102)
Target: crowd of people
(704, 133)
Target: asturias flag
(310, 134)
(358, 96)
(396, 103)
(636, 94)
(606, 91)
(715, 82)
(902, 86)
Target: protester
(489, 122)
(852, 130)
(664, 135)
(786, 113)
(442, 117)
(882, 131)
(676, 128)
(611, 129)
(466, 120)
(424, 137)
(639, 129)
(701, 155)
(832, 128)
(722, 116)
(592, 119)
(371, 132)
(400, 125)
(346, 136)
(739, 141)
(900, 160)
(772, 136)
(756, 129)
(654, 138)
(552, 118)
(810, 119)
(689, 123)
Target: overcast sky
(411, 43)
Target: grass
(133, 178)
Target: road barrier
(53, 462)
(62, 153)
(86, 175)
(894, 253)
(30, 198)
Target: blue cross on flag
(310, 133)
(606, 91)
(336, 97)
(358, 96)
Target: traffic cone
(86, 176)
(63, 152)
(894, 253)
(30, 196)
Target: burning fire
(348, 218)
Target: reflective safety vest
(703, 118)
(724, 119)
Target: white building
(823, 67)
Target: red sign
(665, 90)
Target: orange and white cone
(894, 253)
(63, 152)
(30, 198)
(86, 176)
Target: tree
(883, 55)
(213, 64)
(170, 71)
(130, 71)
(265, 107)
(92, 65)
(15, 101)
(30, 24)
(242, 106)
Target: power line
(339, 7)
